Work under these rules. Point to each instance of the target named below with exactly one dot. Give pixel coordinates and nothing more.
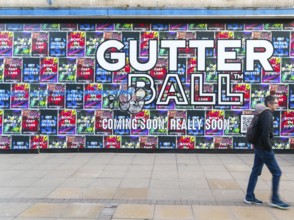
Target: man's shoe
(253, 201)
(280, 205)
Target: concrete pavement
(137, 186)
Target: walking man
(263, 154)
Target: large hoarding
(156, 85)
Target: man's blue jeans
(268, 158)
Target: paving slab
(134, 211)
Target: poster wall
(154, 85)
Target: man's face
(273, 105)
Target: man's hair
(269, 99)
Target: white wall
(151, 3)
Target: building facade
(154, 75)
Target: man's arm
(266, 121)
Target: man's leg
(256, 171)
(276, 172)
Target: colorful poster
(57, 142)
(186, 142)
(50, 27)
(74, 96)
(39, 142)
(123, 26)
(14, 27)
(76, 44)
(67, 122)
(167, 142)
(186, 52)
(38, 95)
(20, 142)
(86, 27)
(215, 26)
(275, 75)
(67, 70)
(281, 143)
(40, 44)
(74, 142)
(253, 76)
(56, 96)
(12, 122)
(287, 123)
(204, 143)
(85, 121)
(197, 26)
(141, 119)
(287, 72)
(253, 26)
(145, 38)
(94, 142)
(110, 93)
(235, 26)
(105, 26)
(232, 122)
(258, 93)
(160, 118)
(121, 122)
(57, 44)
(93, 40)
(214, 123)
(223, 143)
(32, 27)
(281, 43)
(245, 90)
(5, 92)
(281, 93)
(49, 70)
(48, 122)
(112, 142)
(22, 44)
(93, 96)
(6, 43)
(68, 27)
(20, 96)
(273, 26)
(141, 27)
(30, 121)
(176, 122)
(101, 75)
(240, 143)
(103, 122)
(12, 69)
(31, 70)
(85, 70)
(130, 142)
(195, 122)
(148, 142)
(5, 142)
(159, 27)
(159, 72)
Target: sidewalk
(137, 186)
